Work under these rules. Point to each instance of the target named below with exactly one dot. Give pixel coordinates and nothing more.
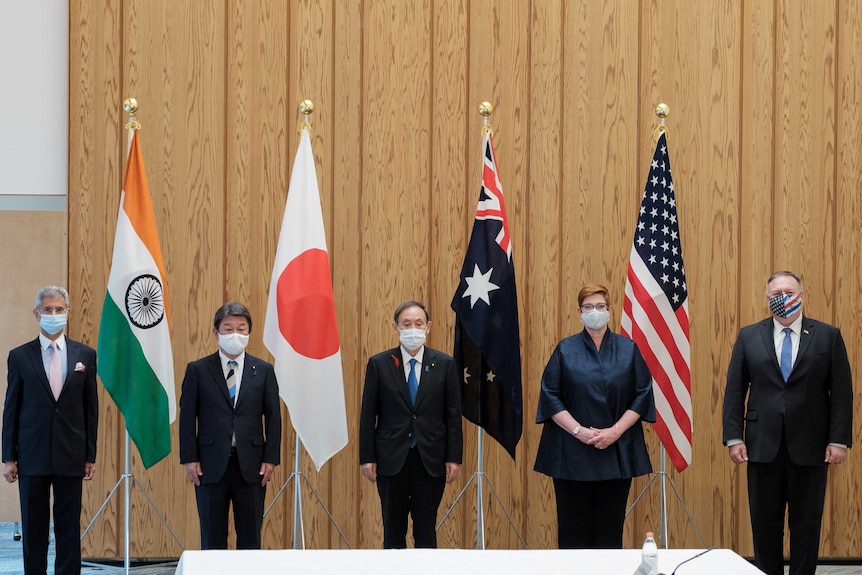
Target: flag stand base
(298, 525)
(126, 480)
(663, 478)
(479, 476)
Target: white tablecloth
(457, 561)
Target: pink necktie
(55, 371)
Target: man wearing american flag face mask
(797, 421)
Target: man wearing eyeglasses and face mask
(797, 421)
(49, 433)
(410, 439)
(230, 432)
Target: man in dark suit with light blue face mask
(230, 432)
(410, 440)
(798, 420)
(49, 434)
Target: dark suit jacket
(814, 407)
(389, 421)
(43, 435)
(208, 418)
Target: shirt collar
(240, 359)
(407, 357)
(45, 343)
(795, 327)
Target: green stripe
(133, 385)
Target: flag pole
(130, 105)
(485, 109)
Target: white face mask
(412, 339)
(595, 319)
(232, 343)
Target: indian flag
(135, 359)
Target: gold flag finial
(306, 108)
(486, 109)
(662, 111)
(130, 105)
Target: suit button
(410, 434)
(414, 416)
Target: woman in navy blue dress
(596, 391)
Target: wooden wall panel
(843, 531)
(542, 314)
(765, 146)
(755, 226)
(451, 120)
(95, 175)
(346, 256)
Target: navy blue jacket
(597, 387)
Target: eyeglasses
(591, 307)
(52, 310)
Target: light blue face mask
(52, 324)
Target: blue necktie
(231, 379)
(412, 382)
(786, 354)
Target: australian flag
(487, 341)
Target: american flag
(487, 342)
(655, 310)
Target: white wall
(34, 100)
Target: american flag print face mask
(785, 305)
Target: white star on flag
(479, 286)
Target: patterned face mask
(785, 305)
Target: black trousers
(411, 491)
(214, 501)
(35, 494)
(801, 490)
(590, 514)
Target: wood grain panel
(95, 179)
(544, 259)
(346, 256)
(843, 532)
(450, 183)
(754, 249)
(765, 147)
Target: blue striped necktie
(231, 379)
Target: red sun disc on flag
(306, 307)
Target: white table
(457, 561)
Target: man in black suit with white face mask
(230, 432)
(410, 440)
(797, 421)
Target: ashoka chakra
(145, 301)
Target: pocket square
(80, 367)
